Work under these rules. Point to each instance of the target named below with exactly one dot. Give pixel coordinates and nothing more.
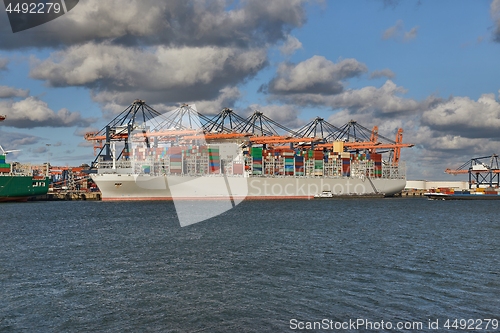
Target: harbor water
(264, 266)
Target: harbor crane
(481, 170)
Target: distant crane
(481, 170)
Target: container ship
(19, 184)
(183, 154)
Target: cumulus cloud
(290, 45)
(158, 74)
(156, 22)
(316, 75)
(32, 112)
(382, 73)
(495, 15)
(465, 117)
(398, 33)
(9, 92)
(164, 52)
(385, 101)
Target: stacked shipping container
(4, 167)
(175, 160)
(377, 159)
(256, 153)
(214, 160)
(199, 160)
(288, 156)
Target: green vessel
(19, 186)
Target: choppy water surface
(130, 267)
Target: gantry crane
(141, 123)
(358, 137)
(481, 170)
(140, 117)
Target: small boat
(323, 195)
(330, 195)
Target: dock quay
(68, 196)
(413, 193)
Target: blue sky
(430, 67)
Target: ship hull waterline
(172, 187)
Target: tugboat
(324, 195)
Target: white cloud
(466, 117)
(9, 92)
(226, 99)
(163, 74)
(291, 45)
(398, 33)
(32, 112)
(409, 35)
(383, 101)
(314, 75)
(393, 31)
(382, 73)
(175, 22)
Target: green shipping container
(256, 151)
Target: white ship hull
(172, 187)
